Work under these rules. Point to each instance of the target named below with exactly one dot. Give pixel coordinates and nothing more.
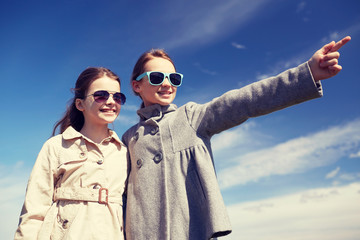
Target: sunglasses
(102, 96)
(157, 78)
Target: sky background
(293, 174)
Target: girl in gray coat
(172, 188)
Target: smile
(164, 93)
(108, 110)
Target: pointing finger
(340, 43)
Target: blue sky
(293, 171)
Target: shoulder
(63, 140)
(129, 133)
(54, 141)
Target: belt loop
(101, 190)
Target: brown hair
(144, 58)
(73, 117)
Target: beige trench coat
(75, 189)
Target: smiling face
(95, 113)
(163, 94)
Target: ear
(136, 85)
(79, 104)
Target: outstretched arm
(324, 63)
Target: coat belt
(86, 194)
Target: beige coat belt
(86, 194)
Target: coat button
(156, 113)
(154, 130)
(139, 163)
(82, 155)
(136, 137)
(158, 157)
(100, 161)
(65, 224)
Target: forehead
(159, 64)
(104, 83)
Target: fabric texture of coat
(75, 190)
(173, 192)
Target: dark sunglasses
(157, 78)
(102, 96)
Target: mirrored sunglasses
(157, 78)
(103, 95)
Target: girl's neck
(95, 133)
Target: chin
(165, 103)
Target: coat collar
(155, 111)
(70, 133)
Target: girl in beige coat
(76, 185)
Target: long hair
(73, 117)
(144, 58)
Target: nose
(110, 100)
(166, 82)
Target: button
(156, 113)
(82, 155)
(139, 163)
(100, 161)
(158, 157)
(154, 130)
(65, 224)
(136, 137)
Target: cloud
(305, 54)
(349, 176)
(13, 180)
(129, 107)
(204, 70)
(242, 138)
(338, 35)
(301, 6)
(333, 173)
(355, 155)
(238, 46)
(207, 25)
(325, 213)
(280, 66)
(127, 120)
(345, 178)
(294, 156)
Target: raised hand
(324, 63)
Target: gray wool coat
(172, 191)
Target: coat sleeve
(39, 194)
(290, 87)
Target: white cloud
(305, 54)
(355, 155)
(13, 182)
(127, 119)
(338, 35)
(301, 6)
(325, 213)
(349, 176)
(129, 107)
(333, 173)
(204, 70)
(206, 25)
(297, 155)
(233, 137)
(237, 45)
